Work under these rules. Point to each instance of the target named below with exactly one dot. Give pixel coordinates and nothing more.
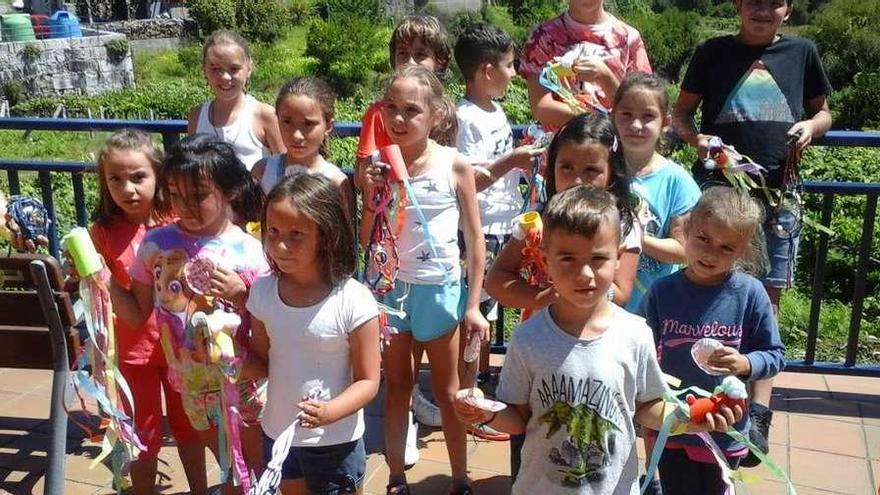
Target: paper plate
(702, 350)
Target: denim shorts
(431, 310)
(782, 233)
(330, 470)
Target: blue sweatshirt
(736, 312)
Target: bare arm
(475, 247)
(545, 108)
(271, 134)
(625, 276)
(814, 127)
(512, 419)
(504, 283)
(256, 365)
(683, 122)
(347, 192)
(258, 170)
(671, 248)
(132, 306)
(517, 157)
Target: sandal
(397, 488)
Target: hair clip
(614, 145)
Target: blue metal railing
(172, 129)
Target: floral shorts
(201, 396)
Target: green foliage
(189, 55)
(350, 51)
(846, 33)
(500, 17)
(367, 10)
(857, 106)
(30, 52)
(211, 15)
(300, 11)
(260, 20)
(670, 38)
(117, 49)
(530, 13)
(14, 92)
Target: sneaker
(426, 412)
(654, 487)
(759, 432)
(411, 452)
(486, 432)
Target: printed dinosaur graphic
(589, 443)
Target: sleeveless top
(276, 169)
(430, 256)
(240, 133)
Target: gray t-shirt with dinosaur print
(582, 394)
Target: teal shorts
(431, 310)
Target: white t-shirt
(580, 438)
(277, 168)
(484, 137)
(310, 348)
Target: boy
(754, 89)
(581, 362)
(605, 49)
(485, 55)
(418, 39)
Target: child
(577, 374)
(606, 49)
(723, 304)
(485, 55)
(754, 89)
(305, 107)
(130, 205)
(584, 151)
(317, 327)
(206, 185)
(427, 288)
(233, 115)
(419, 40)
(665, 190)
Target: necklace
(220, 131)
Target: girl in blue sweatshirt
(710, 298)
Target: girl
(317, 327)
(233, 115)
(723, 304)
(204, 263)
(130, 205)
(428, 289)
(305, 110)
(665, 190)
(584, 151)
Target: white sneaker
(426, 412)
(411, 452)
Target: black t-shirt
(752, 95)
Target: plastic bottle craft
(529, 229)
(693, 409)
(538, 139)
(737, 168)
(30, 215)
(554, 77)
(97, 373)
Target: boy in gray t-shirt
(577, 374)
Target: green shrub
(857, 106)
(211, 15)
(500, 17)
(117, 49)
(189, 55)
(350, 52)
(300, 11)
(14, 92)
(670, 38)
(260, 20)
(367, 10)
(530, 13)
(846, 33)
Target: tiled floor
(826, 434)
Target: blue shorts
(431, 310)
(782, 233)
(330, 470)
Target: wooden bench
(37, 332)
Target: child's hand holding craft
(728, 361)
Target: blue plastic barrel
(17, 27)
(64, 24)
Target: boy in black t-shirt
(755, 88)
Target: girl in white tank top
(443, 186)
(234, 116)
(305, 109)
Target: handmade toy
(555, 75)
(539, 140)
(474, 397)
(731, 392)
(97, 369)
(29, 215)
(533, 269)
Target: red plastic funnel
(391, 155)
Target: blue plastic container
(64, 24)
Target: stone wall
(66, 65)
(144, 29)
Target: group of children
(620, 220)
